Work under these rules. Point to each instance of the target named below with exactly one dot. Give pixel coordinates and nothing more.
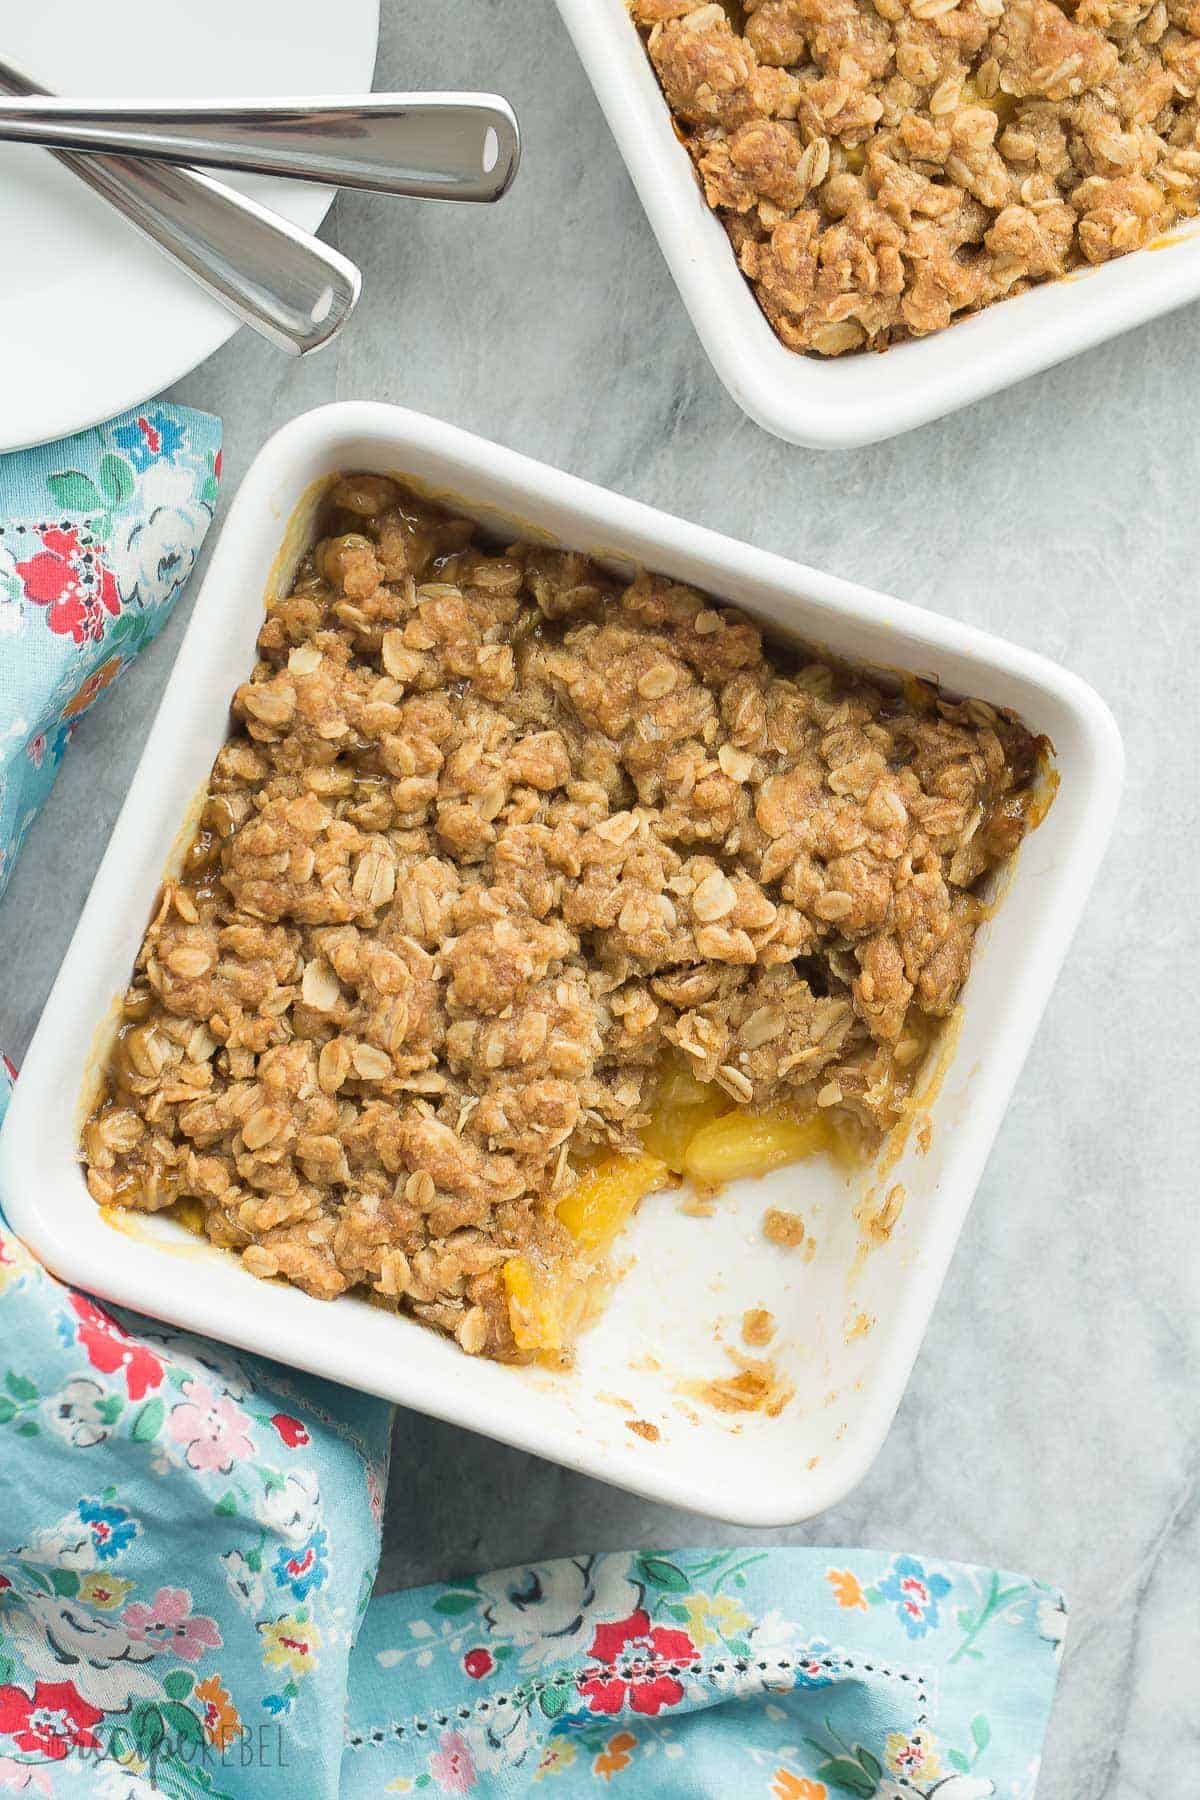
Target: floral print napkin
(98, 534)
(189, 1536)
(188, 1542)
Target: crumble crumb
(879, 1220)
(785, 1228)
(757, 1387)
(758, 1327)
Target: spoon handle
(434, 146)
(289, 287)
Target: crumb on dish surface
(883, 167)
(782, 1227)
(521, 891)
(758, 1327)
(878, 1216)
(757, 1387)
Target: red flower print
(638, 1666)
(72, 580)
(4, 1582)
(10, 1066)
(293, 1433)
(218, 464)
(478, 1663)
(110, 1348)
(51, 1722)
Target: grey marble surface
(1051, 1423)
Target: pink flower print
(215, 1431)
(23, 1778)
(170, 1624)
(453, 1766)
(36, 749)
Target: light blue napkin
(189, 1536)
(98, 534)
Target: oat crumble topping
(884, 166)
(493, 832)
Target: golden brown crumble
(883, 166)
(493, 830)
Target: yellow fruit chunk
(845, 1142)
(545, 1309)
(598, 1207)
(537, 1307)
(752, 1144)
(190, 1213)
(681, 1106)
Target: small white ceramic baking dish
(849, 1324)
(849, 400)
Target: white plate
(845, 401)
(691, 1277)
(92, 318)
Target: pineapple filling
(695, 1133)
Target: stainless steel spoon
(288, 286)
(435, 146)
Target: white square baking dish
(846, 401)
(850, 1324)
